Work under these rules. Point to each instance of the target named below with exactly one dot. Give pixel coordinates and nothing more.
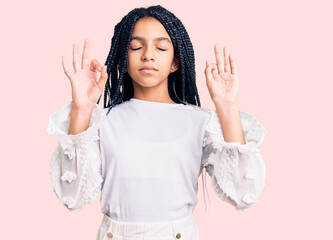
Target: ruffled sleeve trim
(254, 132)
(58, 127)
(75, 165)
(237, 170)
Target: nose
(148, 54)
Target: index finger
(85, 55)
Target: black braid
(181, 83)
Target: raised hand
(87, 87)
(222, 79)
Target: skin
(222, 82)
(145, 49)
(88, 83)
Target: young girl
(147, 147)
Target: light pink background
(283, 50)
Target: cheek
(169, 61)
(130, 60)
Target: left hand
(222, 81)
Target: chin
(147, 82)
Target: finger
(226, 60)
(214, 71)
(69, 73)
(102, 80)
(85, 54)
(208, 72)
(233, 65)
(76, 62)
(218, 57)
(95, 65)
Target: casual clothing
(146, 157)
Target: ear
(175, 64)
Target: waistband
(141, 230)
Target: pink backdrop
(283, 50)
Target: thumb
(208, 72)
(103, 78)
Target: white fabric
(146, 158)
(237, 171)
(185, 229)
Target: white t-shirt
(146, 157)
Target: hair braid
(181, 83)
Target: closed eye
(134, 49)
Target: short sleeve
(237, 170)
(75, 167)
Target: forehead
(150, 29)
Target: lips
(148, 68)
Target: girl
(149, 144)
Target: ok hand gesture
(86, 87)
(222, 79)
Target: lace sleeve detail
(75, 163)
(237, 170)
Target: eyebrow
(156, 39)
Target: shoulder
(119, 107)
(201, 110)
(200, 114)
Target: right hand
(86, 90)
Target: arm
(230, 120)
(75, 163)
(232, 160)
(79, 121)
(237, 170)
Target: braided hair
(181, 83)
